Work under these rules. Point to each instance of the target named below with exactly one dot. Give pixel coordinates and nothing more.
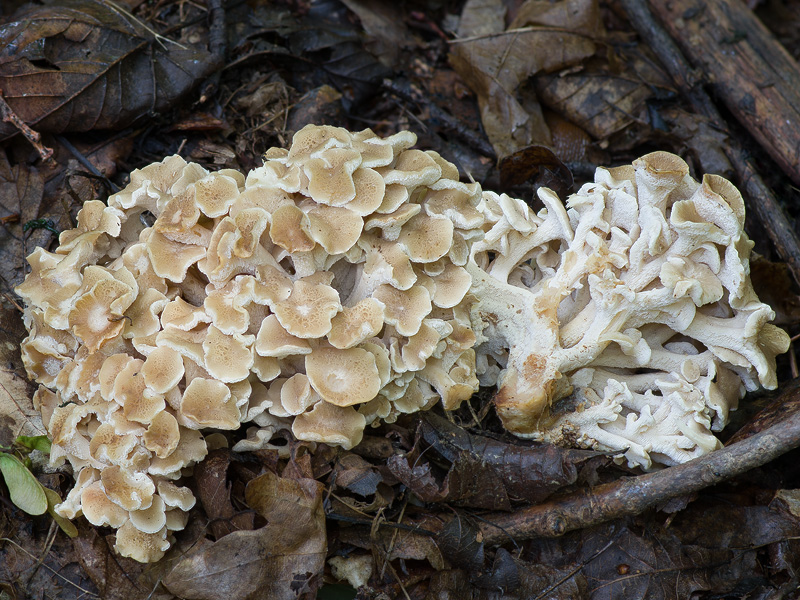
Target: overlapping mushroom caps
(324, 292)
(351, 279)
(627, 321)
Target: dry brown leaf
(605, 96)
(282, 560)
(78, 65)
(544, 37)
(383, 23)
(17, 415)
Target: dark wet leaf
(459, 542)
(779, 409)
(78, 65)
(536, 166)
(21, 192)
(504, 574)
(355, 474)
(386, 32)
(214, 493)
(115, 578)
(282, 560)
(484, 473)
(495, 62)
(605, 96)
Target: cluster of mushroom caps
(351, 279)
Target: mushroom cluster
(324, 292)
(627, 321)
(351, 279)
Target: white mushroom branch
(352, 279)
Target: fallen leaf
(77, 65)
(536, 166)
(605, 96)
(544, 37)
(387, 35)
(282, 560)
(17, 415)
(213, 491)
(484, 473)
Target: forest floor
(581, 83)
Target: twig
(34, 137)
(761, 199)
(406, 91)
(632, 495)
(216, 44)
(49, 568)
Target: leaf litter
(412, 499)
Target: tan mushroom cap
(412, 168)
(426, 238)
(209, 403)
(162, 435)
(172, 259)
(387, 262)
(343, 377)
(267, 368)
(312, 139)
(178, 220)
(452, 285)
(191, 449)
(188, 344)
(265, 197)
(335, 425)
(92, 319)
(370, 191)
(228, 357)
(99, 510)
(175, 496)
(307, 313)
(392, 223)
(330, 177)
(109, 447)
(139, 403)
(150, 519)
(288, 229)
(215, 193)
(395, 195)
(275, 342)
(405, 309)
(179, 314)
(356, 323)
(141, 546)
(297, 395)
(142, 318)
(162, 370)
(335, 229)
(129, 489)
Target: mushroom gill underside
(352, 279)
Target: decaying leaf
(77, 65)
(544, 37)
(605, 96)
(17, 415)
(484, 473)
(282, 560)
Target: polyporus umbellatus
(321, 293)
(627, 321)
(351, 279)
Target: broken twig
(761, 200)
(34, 137)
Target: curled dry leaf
(74, 65)
(283, 559)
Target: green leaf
(66, 525)
(35, 442)
(26, 492)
